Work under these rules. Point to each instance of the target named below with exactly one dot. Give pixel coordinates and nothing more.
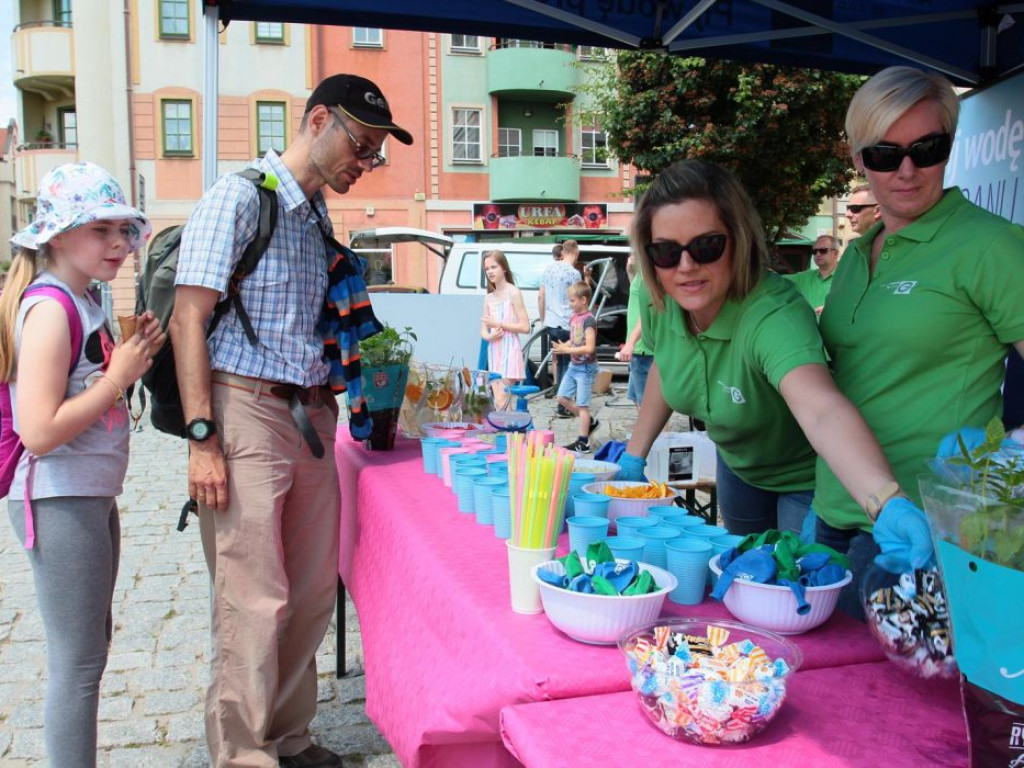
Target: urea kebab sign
(540, 215)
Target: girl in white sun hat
(67, 380)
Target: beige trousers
(273, 557)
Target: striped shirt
(283, 296)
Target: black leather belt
(299, 397)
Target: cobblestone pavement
(151, 712)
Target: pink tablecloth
(865, 715)
(443, 650)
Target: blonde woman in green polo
(924, 305)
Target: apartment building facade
(498, 149)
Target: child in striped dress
(504, 318)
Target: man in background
(814, 284)
(554, 310)
(862, 210)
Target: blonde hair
(703, 180)
(502, 260)
(887, 96)
(580, 289)
(24, 267)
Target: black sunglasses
(705, 249)
(924, 153)
(821, 250)
(859, 208)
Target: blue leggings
(748, 509)
(74, 564)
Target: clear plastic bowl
(915, 637)
(708, 712)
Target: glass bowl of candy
(909, 617)
(709, 681)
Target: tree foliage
(779, 129)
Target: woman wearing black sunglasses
(738, 347)
(923, 309)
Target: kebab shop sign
(539, 215)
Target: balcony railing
(545, 74)
(33, 161)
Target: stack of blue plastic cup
(682, 520)
(626, 547)
(482, 488)
(429, 447)
(687, 560)
(465, 476)
(497, 468)
(435, 449)
(720, 544)
(661, 510)
(704, 531)
(584, 531)
(461, 461)
(576, 482)
(502, 512)
(629, 525)
(654, 539)
(590, 505)
(501, 442)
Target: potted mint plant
(384, 363)
(975, 507)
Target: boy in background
(579, 378)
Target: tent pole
(211, 64)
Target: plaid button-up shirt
(283, 296)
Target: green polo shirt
(812, 286)
(919, 346)
(729, 377)
(633, 313)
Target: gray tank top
(94, 463)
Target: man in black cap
(261, 426)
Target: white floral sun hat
(75, 194)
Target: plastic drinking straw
(553, 512)
(544, 496)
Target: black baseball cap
(361, 100)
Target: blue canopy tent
(970, 41)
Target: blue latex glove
(973, 437)
(902, 534)
(631, 468)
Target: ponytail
(23, 270)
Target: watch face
(199, 429)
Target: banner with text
(986, 161)
(540, 215)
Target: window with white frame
(467, 139)
(270, 121)
(269, 32)
(465, 44)
(545, 143)
(593, 52)
(510, 142)
(594, 147)
(369, 37)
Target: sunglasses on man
(821, 250)
(855, 208)
(926, 152)
(705, 249)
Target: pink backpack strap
(75, 324)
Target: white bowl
(602, 471)
(451, 430)
(600, 619)
(619, 507)
(773, 606)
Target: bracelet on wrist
(118, 392)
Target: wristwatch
(873, 506)
(200, 430)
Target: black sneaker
(578, 446)
(594, 424)
(561, 412)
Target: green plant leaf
(973, 532)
